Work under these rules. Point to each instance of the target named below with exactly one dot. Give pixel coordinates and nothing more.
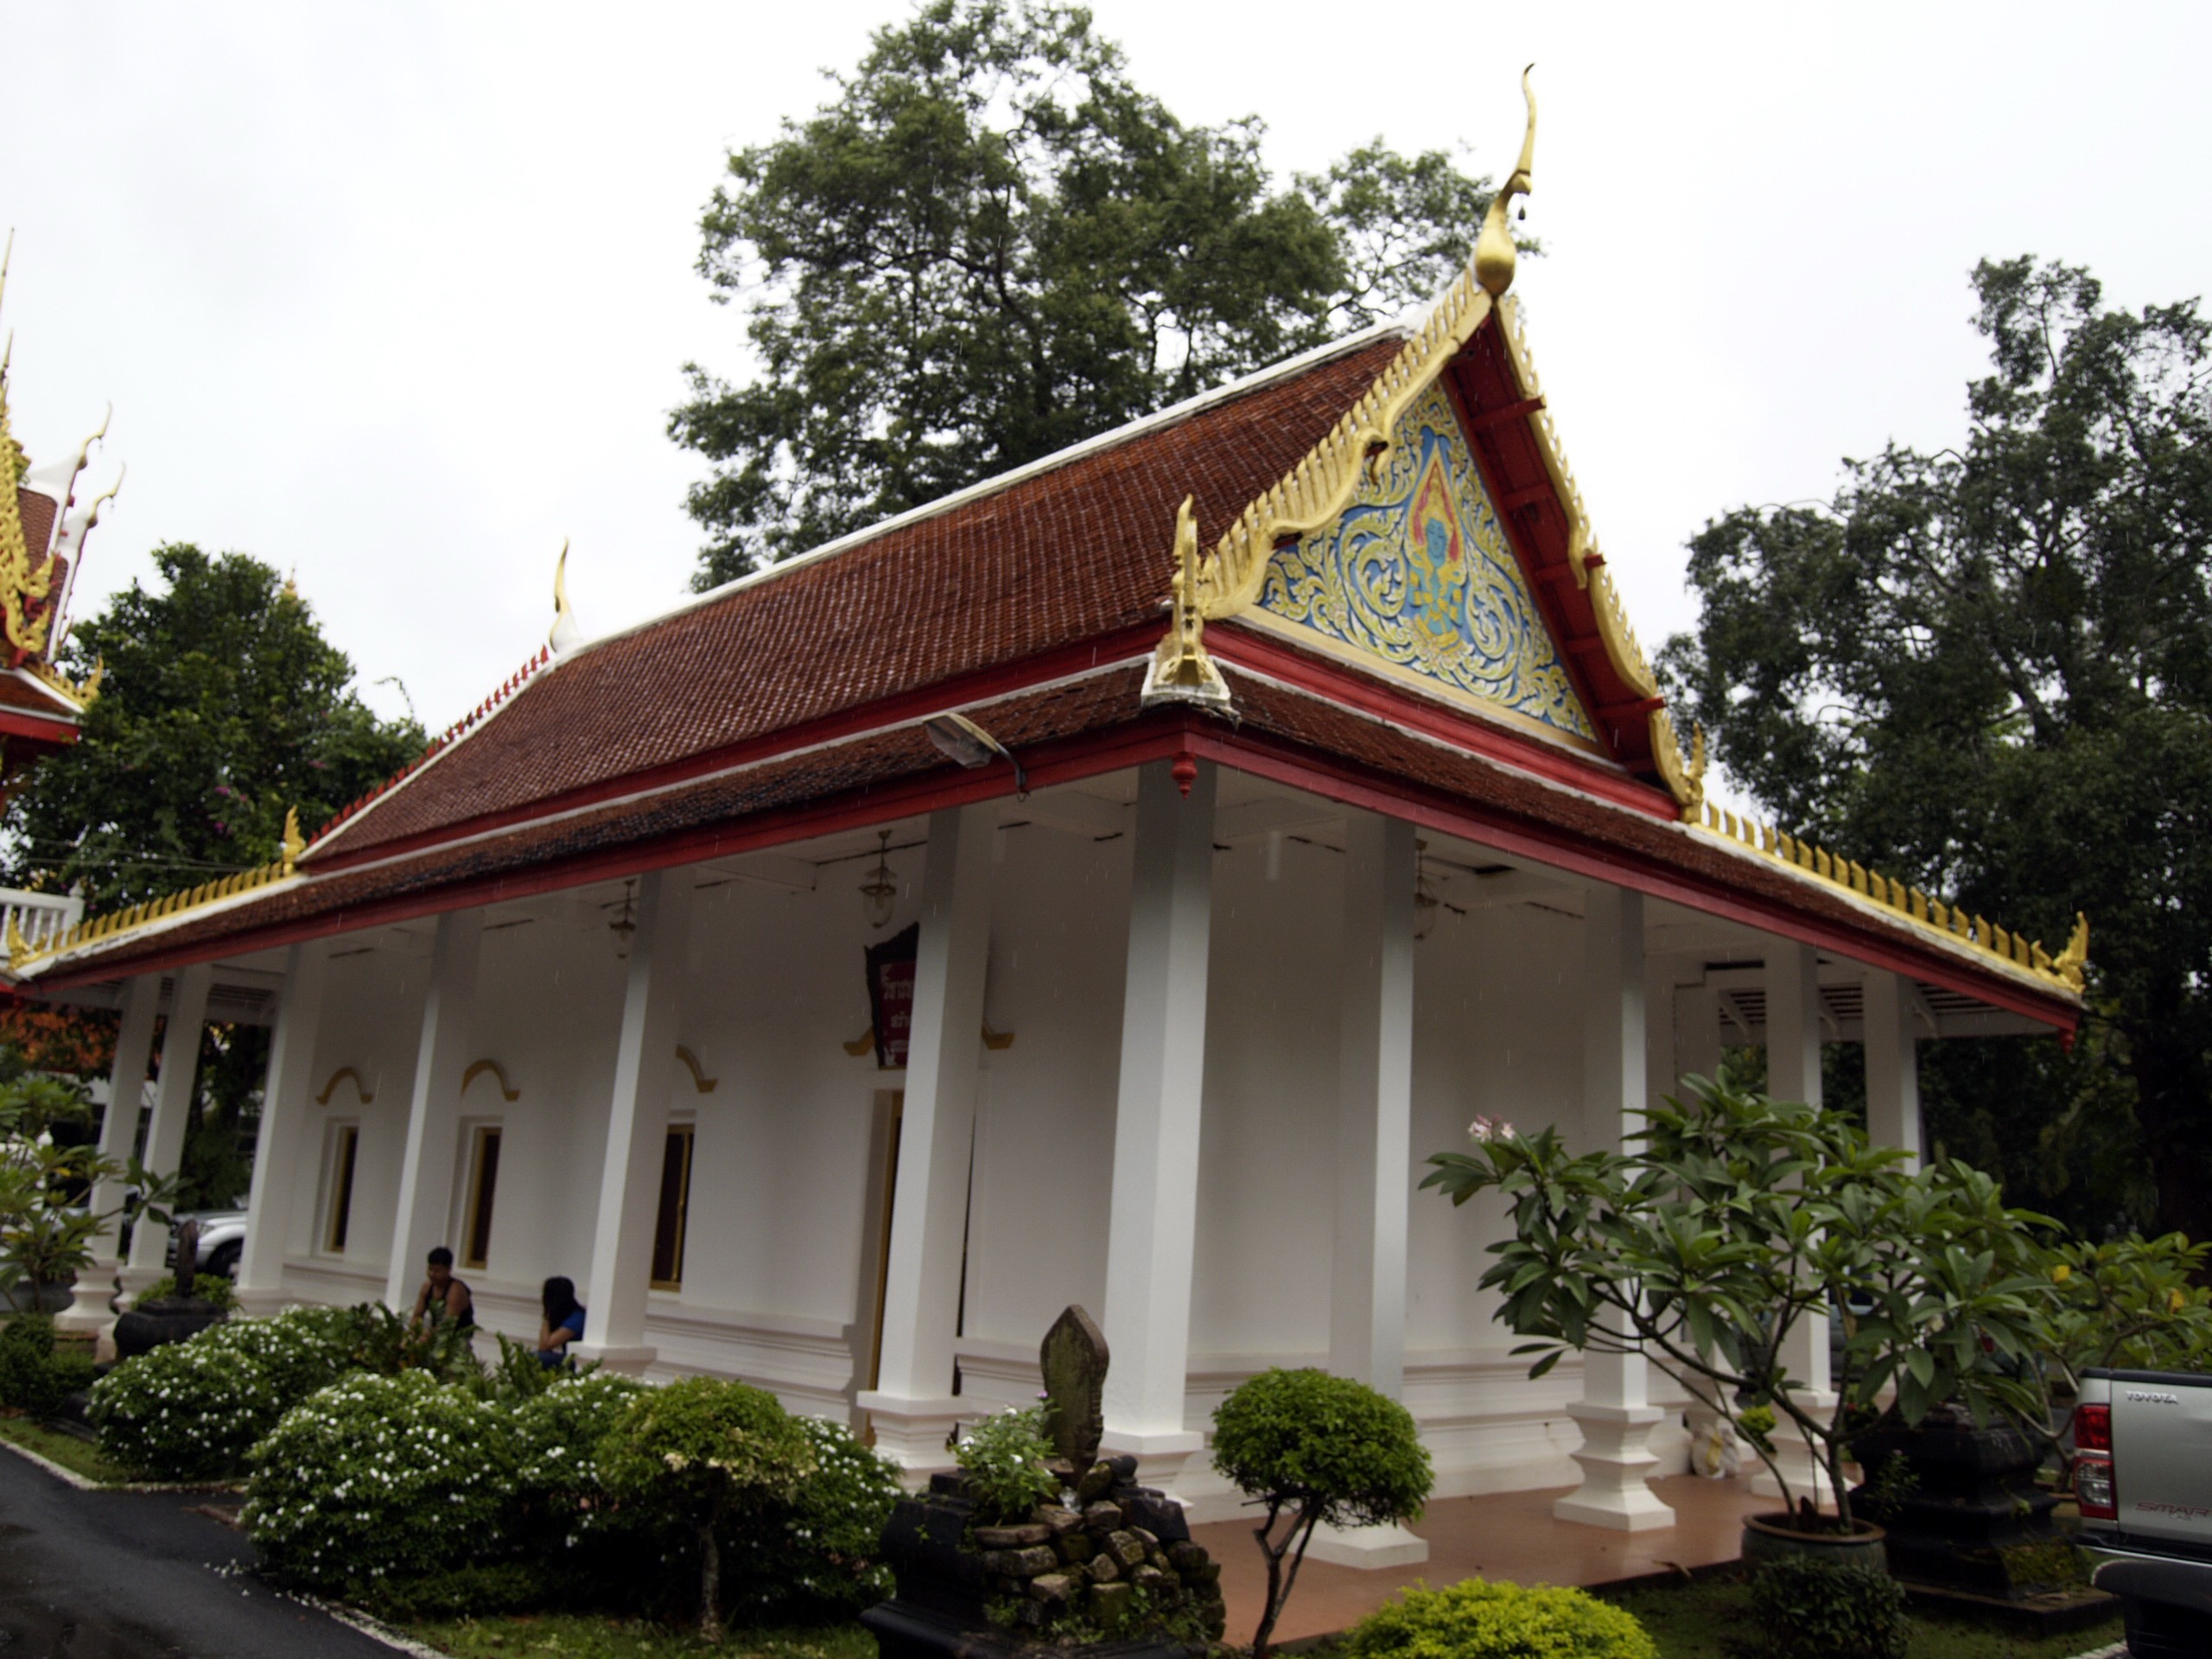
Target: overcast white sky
(397, 295)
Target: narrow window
(341, 1187)
(675, 1198)
(480, 1189)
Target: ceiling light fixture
(880, 891)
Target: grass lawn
(576, 1636)
(1711, 1620)
(80, 1457)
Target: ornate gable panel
(1417, 574)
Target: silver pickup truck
(2143, 1441)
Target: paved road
(138, 1575)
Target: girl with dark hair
(564, 1322)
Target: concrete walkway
(139, 1575)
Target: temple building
(1105, 885)
(43, 533)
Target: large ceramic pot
(1774, 1537)
(172, 1319)
(1971, 1517)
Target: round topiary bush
(1815, 1609)
(377, 1478)
(1476, 1620)
(192, 1410)
(1316, 1449)
(700, 1453)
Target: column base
(258, 1303)
(88, 1309)
(1615, 1466)
(134, 1281)
(1161, 1454)
(913, 1433)
(1387, 1546)
(629, 1362)
(1808, 1476)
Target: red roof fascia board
(35, 729)
(962, 692)
(1270, 655)
(1156, 736)
(1538, 527)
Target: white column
(1153, 1225)
(1375, 1046)
(126, 1093)
(172, 1106)
(1892, 1065)
(283, 1144)
(1793, 1072)
(1615, 1412)
(911, 1406)
(637, 1125)
(1697, 1032)
(426, 1169)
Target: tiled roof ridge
(440, 745)
(998, 483)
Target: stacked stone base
(1118, 1562)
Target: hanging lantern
(626, 924)
(880, 893)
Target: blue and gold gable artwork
(1418, 573)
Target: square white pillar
(911, 1406)
(1892, 1065)
(1615, 1412)
(126, 1093)
(1793, 1073)
(283, 1144)
(1375, 1047)
(172, 1107)
(637, 1125)
(426, 1168)
(1153, 1223)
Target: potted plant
(47, 1227)
(1736, 1219)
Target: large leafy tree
(221, 707)
(1989, 668)
(990, 244)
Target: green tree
(1989, 670)
(989, 244)
(221, 707)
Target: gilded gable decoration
(1417, 571)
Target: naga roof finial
(1494, 254)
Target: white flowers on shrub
(192, 1410)
(378, 1477)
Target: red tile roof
(1066, 555)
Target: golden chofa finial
(1494, 254)
(564, 634)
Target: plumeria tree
(1736, 1220)
(48, 1229)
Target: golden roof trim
(100, 930)
(2014, 951)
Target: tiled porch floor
(1503, 1536)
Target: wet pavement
(141, 1575)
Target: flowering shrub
(377, 1478)
(192, 1410)
(820, 1554)
(1003, 1458)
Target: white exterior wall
(783, 1194)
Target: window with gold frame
(483, 1187)
(675, 1204)
(344, 1155)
